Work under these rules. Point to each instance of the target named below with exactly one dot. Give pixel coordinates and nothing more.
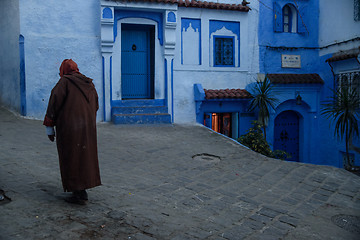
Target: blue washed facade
(293, 44)
(197, 61)
(140, 54)
(274, 42)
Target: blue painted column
(170, 20)
(22, 76)
(107, 42)
(106, 58)
(169, 86)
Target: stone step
(145, 118)
(139, 110)
(138, 103)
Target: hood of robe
(83, 83)
(70, 70)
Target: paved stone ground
(170, 182)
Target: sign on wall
(290, 61)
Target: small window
(350, 81)
(289, 14)
(287, 17)
(224, 51)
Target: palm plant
(263, 100)
(343, 109)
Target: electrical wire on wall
(268, 7)
(297, 7)
(278, 14)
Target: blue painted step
(138, 103)
(147, 118)
(140, 111)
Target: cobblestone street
(170, 182)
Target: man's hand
(50, 133)
(51, 137)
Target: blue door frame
(137, 61)
(286, 134)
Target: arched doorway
(286, 134)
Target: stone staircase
(140, 112)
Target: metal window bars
(224, 51)
(349, 80)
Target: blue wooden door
(135, 63)
(286, 134)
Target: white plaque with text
(290, 61)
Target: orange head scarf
(68, 66)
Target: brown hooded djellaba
(72, 110)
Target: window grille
(224, 51)
(357, 10)
(349, 80)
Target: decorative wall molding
(190, 41)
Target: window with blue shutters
(287, 17)
(224, 51)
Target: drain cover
(205, 157)
(347, 222)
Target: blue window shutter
(278, 19)
(301, 20)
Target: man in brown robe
(72, 111)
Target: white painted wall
(336, 24)
(9, 52)
(54, 31)
(185, 76)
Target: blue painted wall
(318, 145)
(272, 44)
(53, 33)
(332, 148)
(343, 35)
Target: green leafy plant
(281, 154)
(254, 139)
(342, 108)
(262, 100)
